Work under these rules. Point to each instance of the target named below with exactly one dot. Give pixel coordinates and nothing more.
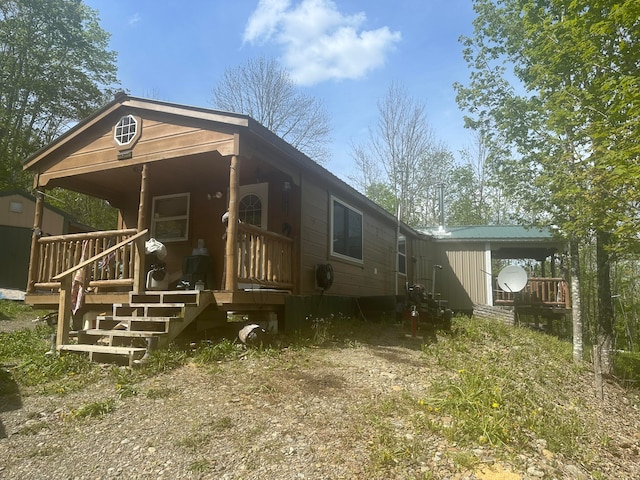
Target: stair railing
(66, 286)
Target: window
(170, 218)
(402, 254)
(250, 210)
(126, 130)
(15, 207)
(346, 230)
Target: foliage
(402, 159)
(262, 89)
(554, 83)
(89, 211)
(55, 69)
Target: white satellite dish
(512, 278)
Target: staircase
(150, 320)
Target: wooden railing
(66, 278)
(264, 258)
(551, 292)
(59, 253)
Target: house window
(346, 231)
(402, 254)
(250, 210)
(126, 130)
(170, 218)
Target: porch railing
(550, 292)
(67, 279)
(60, 253)
(264, 258)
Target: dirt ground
(336, 412)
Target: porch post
(34, 256)
(231, 269)
(139, 274)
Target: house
(468, 255)
(17, 210)
(291, 229)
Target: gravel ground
(303, 414)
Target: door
(253, 204)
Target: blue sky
(344, 52)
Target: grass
(493, 387)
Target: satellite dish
(512, 278)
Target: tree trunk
(605, 303)
(576, 306)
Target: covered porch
(172, 181)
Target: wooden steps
(102, 352)
(149, 320)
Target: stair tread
(150, 304)
(126, 318)
(102, 349)
(122, 333)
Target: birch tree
(556, 81)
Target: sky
(344, 52)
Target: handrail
(100, 255)
(64, 305)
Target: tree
(402, 159)
(55, 69)
(556, 82)
(263, 90)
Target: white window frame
(333, 253)
(402, 255)
(157, 218)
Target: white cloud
(319, 42)
(134, 19)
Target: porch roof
(506, 241)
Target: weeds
(94, 409)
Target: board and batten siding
(374, 276)
(463, 275)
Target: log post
(139, 275)
(231, 269)
(34, 256)
(64, 310)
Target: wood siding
(159, 140)
(374, 276)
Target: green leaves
(55, 69)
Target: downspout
(397, 269)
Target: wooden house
(17, 210)
(292, 228)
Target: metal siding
(464, 272)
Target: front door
(253, 204)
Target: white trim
(488, 274)
(155, 218)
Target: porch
(96, 281)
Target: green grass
(492, 387)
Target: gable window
(126, 131)
(346, 230)
(170, 218)
(402, 254)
